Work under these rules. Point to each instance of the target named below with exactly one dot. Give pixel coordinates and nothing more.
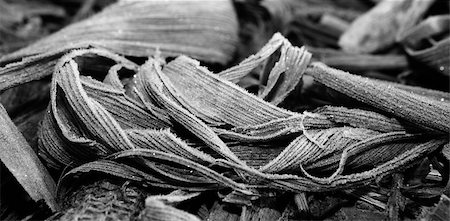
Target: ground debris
(226, 110)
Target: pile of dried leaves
(222, 110)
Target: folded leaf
(216, 100)
(286, 74)
(179, 126)
(313, 146)
(87, 119)
(280, 73)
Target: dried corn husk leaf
(173, 171)
(280, 73)
(206, 30)
(217, 103)
(172, 175)
(219, 106)
(286, 74)
(218, 94)
(81, 110)
(23, 163)
(360, 118)
(314, 145)
(235, 73)
(437, 56)
(378, 28)
(84, 129)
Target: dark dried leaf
(133, 28)
(24, 164)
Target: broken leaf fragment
(282, 67)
